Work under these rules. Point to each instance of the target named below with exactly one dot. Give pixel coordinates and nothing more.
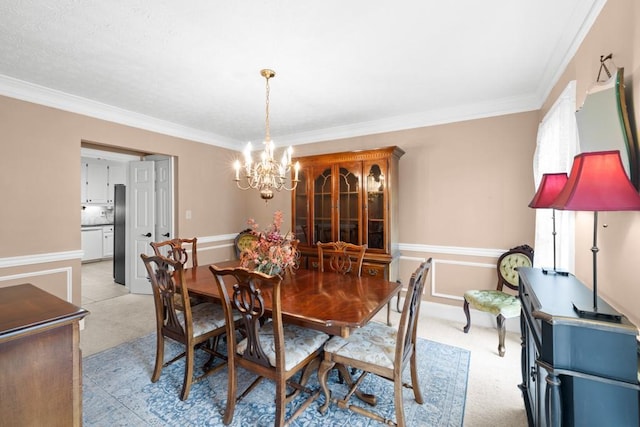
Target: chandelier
(267, 174)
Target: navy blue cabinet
(575, 371)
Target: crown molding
(557, 63)
(37, 94)
(412, 121)
(560, 60)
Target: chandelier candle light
(267, 174)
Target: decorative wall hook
(603, 59)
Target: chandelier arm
(240, 186)
(293, 186)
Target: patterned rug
(117, 391)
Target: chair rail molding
(452, 250)
(39, 258)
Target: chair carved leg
(231, 392)
(465, 307)
(159, 357)
(188, 373)
(397, 400)
(501, 334)
(389, 313)
(324, 368)
(281, 389)
(415, 382)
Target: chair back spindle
(176, 249)
(342, 257)
(408, 327)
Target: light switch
(188, 214)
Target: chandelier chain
(267, 136)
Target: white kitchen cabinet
(107, 241)
(92, 245)
(117, 174)
(96, 181)
(98, 178)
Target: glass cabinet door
(375, 176)
(322, 206)
(301, 210)
(349, 203)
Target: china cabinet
(352, 197)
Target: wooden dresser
(40, 360)
(575, 371)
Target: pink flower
(271, 252)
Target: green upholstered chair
(501, 304)
(244, 240)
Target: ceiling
(343, 68)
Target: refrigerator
(119, 222)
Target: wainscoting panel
(53, 272)
(454, 270)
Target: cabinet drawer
(375, 270)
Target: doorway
(98, 270)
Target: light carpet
(117, 391)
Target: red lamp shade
(550, 187)
(598, 182)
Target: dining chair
(243, 240)
(172, 248)
(380, 350)
(501, 304)
(341, 257)
(191, 326)
(176, 249)
(346, 258)
(272, 349)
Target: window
(557, 144)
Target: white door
(164, 204)
(141, 220)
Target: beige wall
(464, 188)
(464, 191)
(615, 31)
(40, 178)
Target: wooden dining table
(325, 301)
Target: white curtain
(557, 144)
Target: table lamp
(548, 190)
(597, 182)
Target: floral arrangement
(272, 252)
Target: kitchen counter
(95, 225)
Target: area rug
(117, 391)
